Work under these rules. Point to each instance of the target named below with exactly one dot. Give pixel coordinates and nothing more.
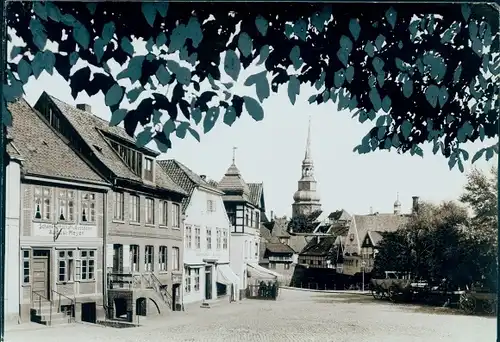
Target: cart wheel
(468, 304)
(489, 306)
(393, 293)
(376, 294)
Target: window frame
(91, 201)
(137, 208)
(196, 280)
(197, 237)
(218, 239)
(163, 259)
(26, 276)
(135, 258)
(119, 206)
(149, 257)
(163, 208)
(176, 258)
(84, 265)
(209, 238)
(69, 265)
(149, 211)
(146, 172)
(69, 210)
(187, 280)
(225, 240)
(188, 235)
(176, 215)
(42, 207)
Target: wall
(198, 216)
(32, 237)
(126, 233)
(12, 252)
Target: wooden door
(41, 280)
(208, 283)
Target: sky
(271, 151)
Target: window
(66, 262)
(66, 205)
(272, 265)
(187, 281)
(134, 258)
(188, 236)
(163, 258)
(43, 199)
(286, 266)
(197, 279)
(197, 237)
(257, 220)
(175, 258)
(251, 219)
(148, 169)
(88, 207)
(148, 260)
(256, 249)
(175, 215)
(26, 266)
(163, 213)
(210, 206)
(85, 269)
(134, 208)
(224, 239)
(150, 211)
(246, 219)
(119, 206)
(132, 158)
(218, 238)
(209, 238)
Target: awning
(225, 275)
(257, 271)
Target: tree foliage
(303, 224)
(420, 72)
(435, 244)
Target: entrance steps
(47, 315)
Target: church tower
(306, 198)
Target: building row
(96, 226)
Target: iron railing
(40, 296)
(72, 304)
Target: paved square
(296, 316)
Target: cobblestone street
(297, 316)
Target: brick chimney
(414, 207)
(85, 107)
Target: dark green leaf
(195, 134)
(230, 116)
(143, 138)
(245, 44)
(107, 32)
(295, 57)
(262, 25)
(406, 127)
(149, 12)
(354, 28)
(182, 129)
(118, 116)
(391, 16)
(432, 94)
(114, 95)
(73, 58)
(210, 119)
(127, 46)
(478, 155)
(253, 108)
(23, 70)
(81, 36)
(264, 53)
(232, 65)
(133, 94)
(386, 104)
(375, 99)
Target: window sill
(176, 228)
(164, 226)
(86, 281)
(87, 223)
(135, 223)
(163, 272)
(65, 282)
(150, 225)
(118, 221)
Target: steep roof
(279, 248)
(44, 151)
(340, 215)
(92, 129)
(256, 192)
(361, 224)
(233, 185)
(185, 178)
(321, 248)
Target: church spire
(234, 155)
(308, 142)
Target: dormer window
(148, 169)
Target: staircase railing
(160, 289)
(72, 305)
(40, 296)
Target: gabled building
(244, 204)
(207, 273)
(144, 235)
(55, 225)
(317, 252)
(372, 225)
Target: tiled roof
(256, 190)
(298, 243)
(340, 215)
(321, 248)
(91, 129)
(376, 237)
(279, 248)
(338, 229)
(184, 177)
(361, 224)
(43, 150)
(280, 227)
(233, 185)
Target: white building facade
(207, 239)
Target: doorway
(140, 307)
(89, 313)
(208, 282)
(175, 295)
(41, 274)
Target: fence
(263, 291)
(334, 287)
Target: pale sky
(271, 151)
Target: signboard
(176, 278)
(64, 230)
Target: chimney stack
(371, 210)
(414, 208)
(85, 107)
(204, 177)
